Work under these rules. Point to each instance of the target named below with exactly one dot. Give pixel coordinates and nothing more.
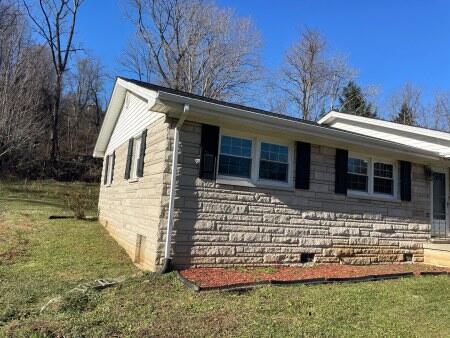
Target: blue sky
(388, 42)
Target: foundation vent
(307, 258)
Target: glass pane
(439, 197)
(383, 170)
(357, 166)
(273, 171)
(357, 182)
(235, 146)
(235, 166)
(383, 186)
(274, 152)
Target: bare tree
(406, 105)
(440, 111)
(82, 106)
(55, 22)
(23, 76)
(195, 46)
(310, 78)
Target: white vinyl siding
(134, 117)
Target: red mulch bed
(216, 278)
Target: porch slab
(437, 254)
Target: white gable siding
(391, 135)
(133, 119)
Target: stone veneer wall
(131, 208)
(223, 225)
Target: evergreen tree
(353, 102)
(405, 115)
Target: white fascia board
(288, 125)
(334, 115)
(116, 101)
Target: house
(256, 188)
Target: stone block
(315, 242)
(363, 241)
(250, 237)
(343, 231)
(277, 259)
(356, 260)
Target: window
(358, 177)
(110, 169)
(383, 178)
(135, 157)
(274, 162)
(372, 176)
(235, 157)
(252, 160)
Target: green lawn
(41, 259)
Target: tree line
(52, 100)
(52, 91)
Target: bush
(79, 202)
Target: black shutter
(302, 165)
(405, 181)
(129, 157)
(341, 168)
(140, 169)
(105, 176)
(209, 148)
(112, 165)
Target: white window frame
(135, 157)
(370, 179)
(254, 180)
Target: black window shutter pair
(303, 165)
(129, 158)
(140, 168)
(405, 181)
(112, 165)
(341, 169)
(140, 164)
(341, 166)
(209, 150)
(105, 175)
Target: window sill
(251, 184)
(376, 197)
(133, 180)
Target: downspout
(167, 266)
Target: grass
(41, 259)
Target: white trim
(254, 180)
(370, 178)
(208, 112)
(447, 216)
(334, 115)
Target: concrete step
(437, 254)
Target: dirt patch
(210, 278)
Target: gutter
(167, 266)
(217, 110)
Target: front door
(439, 226)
